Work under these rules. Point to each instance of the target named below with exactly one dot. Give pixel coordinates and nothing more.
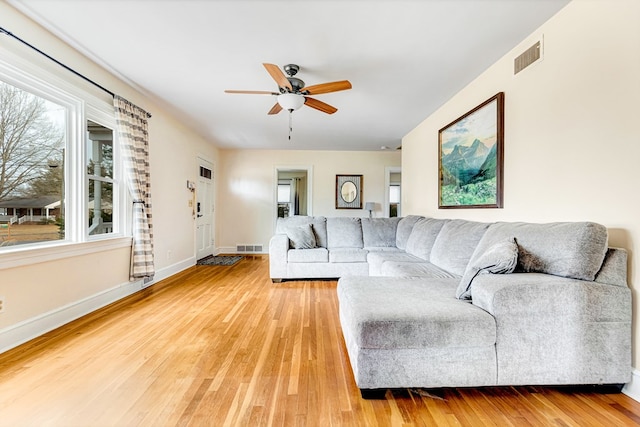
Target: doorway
(204, 209)
(293, 191)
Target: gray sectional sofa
(431, 303)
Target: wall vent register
(528, 57)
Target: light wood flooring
(218, 345)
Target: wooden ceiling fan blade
(251, 92)
(319, 105)
(277, 75)
(327, 87)
(275, 109)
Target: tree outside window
(32, 141)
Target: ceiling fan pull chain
(290, 123)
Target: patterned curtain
(134, 143)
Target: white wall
(45, 294)
(572, 141)
(246, 198)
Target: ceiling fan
(292, 92)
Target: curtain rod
(66, 67)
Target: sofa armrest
(554, 330)
(278, 248)
(614, 268)
(542, 295)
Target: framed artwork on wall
(348, 191)
(470, 158)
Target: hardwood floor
(218, 345)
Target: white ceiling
(404, 59)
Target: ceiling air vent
(528, 57)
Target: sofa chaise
(456, 303)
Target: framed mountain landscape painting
(470, 153)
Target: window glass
(100, 202)
(284, 200)
(284, 193)
(394, 194)
(205, 172)
(32, 167)
(394, 200)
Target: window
(394, 200)
(205, 172)
(284, 200)
(59, 163)
(32, 150)
(100, 174)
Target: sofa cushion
(377, 259)
(308, 255)
(379, 232)
(423, 235)
(500, 258)
(456, 243)
(347, 255)
(301, 237)
(405, 226)
(411, 313)
(568, 249)
(344, 232)
(414, 269)
(318, 223)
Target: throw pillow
(301, 237)
(501, 258)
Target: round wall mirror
(348, 191)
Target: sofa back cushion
(405, 226)
(318, 224)
(344, 232)
(455, 244)
(568, 249)
(379, 232)
(423, 236)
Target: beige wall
(246, 197)
(572, 143)
(53, 289)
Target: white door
(204, 210)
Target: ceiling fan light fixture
(290, 101)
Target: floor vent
(249, 248)
(528, 57)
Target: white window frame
(81, 106)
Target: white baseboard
(226, 250)
(29, 329)
(172, 269)
(632, 388)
